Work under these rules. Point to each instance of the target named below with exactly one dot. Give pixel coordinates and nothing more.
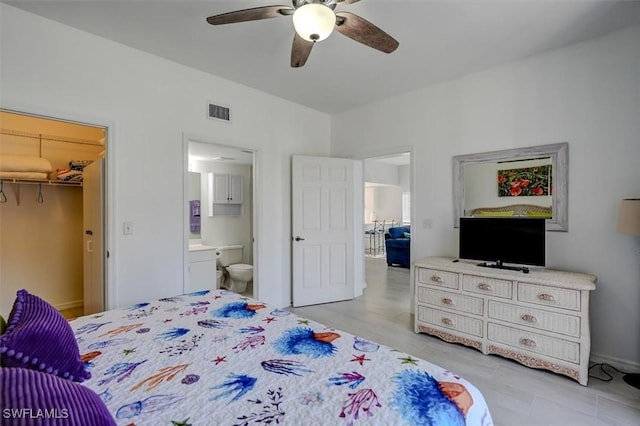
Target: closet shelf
(41, 181)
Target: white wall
(379, 172)
(151, 102)
(585, 94)
(404, 178)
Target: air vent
(218, 112)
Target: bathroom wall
(226, 230)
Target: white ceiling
(403, 159)
(201, 151)
(439, 40)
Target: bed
(218, 358)
(519, 210)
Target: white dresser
(540, 319)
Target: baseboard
(620, 364)
(69, 305)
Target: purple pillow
(32, 397)
(38, 337)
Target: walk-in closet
(52, 183)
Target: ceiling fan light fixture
(314, 21)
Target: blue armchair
(397, 244)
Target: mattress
(218, 358)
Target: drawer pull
(546, 297)
(484, 286)
(447, 321)
(529, 318)
(436, 279)
(448, 301)
(528, 342)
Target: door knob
(299, 239)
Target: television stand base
(500, 265)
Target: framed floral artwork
(526, 182)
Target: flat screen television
(499, 240)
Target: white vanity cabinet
(202, 269)
(540, 319)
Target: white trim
(256, 231)
(619, 363)
(185, 211)
(69, 305)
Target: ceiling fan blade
(252, 14)
(347, 1)
(363, 31)
(300, 51)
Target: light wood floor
(516, 395)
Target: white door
(220, 185)
(235, 189)
(92, 205)
(322, 230)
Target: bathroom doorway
(219, 212)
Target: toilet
(239, 274)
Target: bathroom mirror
(528, 181)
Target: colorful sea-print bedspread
(217, 358)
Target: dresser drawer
(532, 342)
(487, 286)
(455, 301)
(568, 325)
(549, 296)
(450, 320)
(438, 278)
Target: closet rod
(40, 182)
(49, 137)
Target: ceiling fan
(314, 20)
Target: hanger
(3, 198)
(40, 198)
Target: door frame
(255, 192)
(390, 152)
(109, 215)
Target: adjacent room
(324, 212)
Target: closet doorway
(52, 212)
